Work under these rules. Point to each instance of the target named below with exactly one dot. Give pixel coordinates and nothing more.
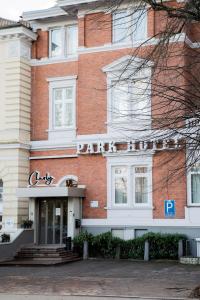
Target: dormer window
(63, 41)
(129, 25)
(56, 42)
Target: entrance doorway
(52, 227)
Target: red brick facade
(95, 30)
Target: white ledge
(72, 77)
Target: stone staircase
(43, 255)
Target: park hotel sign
(102, 147)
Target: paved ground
(42, 297)
(100, 278)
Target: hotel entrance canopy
(39, 192)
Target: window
(56, 42)
(134, 191)
(63, 41)
(130, 101)
(129, 25)
(120, 177)
(141, 185)
(63, 106)
(195, 185)
(72, 40)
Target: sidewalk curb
(82, 297)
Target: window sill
(61, 129)
(132, 43)
(130, 208)
(51, 60)
(62, 57)
(133, 123)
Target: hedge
(161, 246)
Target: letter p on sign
(170, 208)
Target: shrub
(104, 245)
(162, 246)
(5, 238)
(27, 223)
(79, 240)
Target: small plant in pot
(5, 238)
(27, 223)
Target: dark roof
(5, 23)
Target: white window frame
(110, 101)
(130, 36)
(137, 175)
(189, 186)
(130, 162)
(61, 82)
(114, 71)
(113, 185)
(64, 39)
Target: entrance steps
(43, 255)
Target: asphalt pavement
(100, 279)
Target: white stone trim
(117, 70)
(189, 190)
(143, 223)
(36, 24)
(65, 78)
(14, 146)
(141, 160)
(53, 156)
(16, 32)
(58, 133)
(44, 13)
(117, 46)
(118, 64)
(63, 179)
(73, 2)
(53, 60)
(51, 145)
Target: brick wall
(91, 114)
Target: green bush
(162, 246)
(104, 245)
(79, 240)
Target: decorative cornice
(17, 33)
(54, 11)
(14, 146)
(49, 61)
(51, 145)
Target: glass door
(52, 221)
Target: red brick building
(81, 128)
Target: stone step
(19, 255)
(43, 250)
(44, 255)
(28, 262)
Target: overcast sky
(12, 9)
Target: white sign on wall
(94, 204)
(101, 147)
(9, 223)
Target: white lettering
(131, 146)
(112, 148)
(100, 147)
(80, 147)
(90, 148)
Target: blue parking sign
(170, 208)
